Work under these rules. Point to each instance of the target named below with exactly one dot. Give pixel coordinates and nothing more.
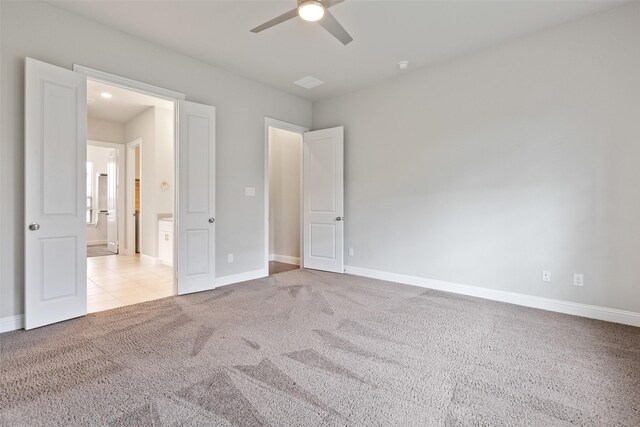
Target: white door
(196, 212)
(55, 194)
(323, 188)
(112, 202)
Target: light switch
(249, 191)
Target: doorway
(283, 196)
(103, 200)
(56, 123)
(130, 197)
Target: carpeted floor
(276, 267)
(320, 349)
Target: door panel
(59, 263)
(323, 199)
(55, 223)
(112, 203)
(196, 226)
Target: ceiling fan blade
(331, 24)
(331, 3)
(275, 21)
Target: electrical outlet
(350, 251)
(546, 276)
(249, 191)
(578, 279)
(230, 258)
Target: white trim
(240, 277)
(567, 307)
(11, 323)
(278, 124)
(125, 83)
(285, 258)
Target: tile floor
(119, 280)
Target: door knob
(34, 227)
(212, 220)
(339, 218)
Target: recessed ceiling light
(308, 82)
(311, 10)
(106, 95)
(403, 65)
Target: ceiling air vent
(309, 82)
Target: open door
(55, 204)
(323, 205)
(196, 212)
(112, 202)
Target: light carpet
(320, 349)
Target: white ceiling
(385, 32)
(122, 106)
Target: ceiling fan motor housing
(311, 1)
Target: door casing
(169, 95)
(279, 124)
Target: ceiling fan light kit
(312, 11)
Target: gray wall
(490, 168)
(49, 34)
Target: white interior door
(55, 192)
(323, 204)
(196, 197)
(112, 202)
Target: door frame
(279, 124)
(131, 197)
(169, 95)
(120, 164)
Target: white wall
(105, 131)
(241, 106)
(490, 168)
(284, 192)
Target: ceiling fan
(313, 11)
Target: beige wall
(143, 126)
(284, 192)
(488, 169)
(164, 158)
(105, 131)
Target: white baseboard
(96, 242)
(567, 307)
(240, 277)
(11, 323)
(149, 260)
(285, 258)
